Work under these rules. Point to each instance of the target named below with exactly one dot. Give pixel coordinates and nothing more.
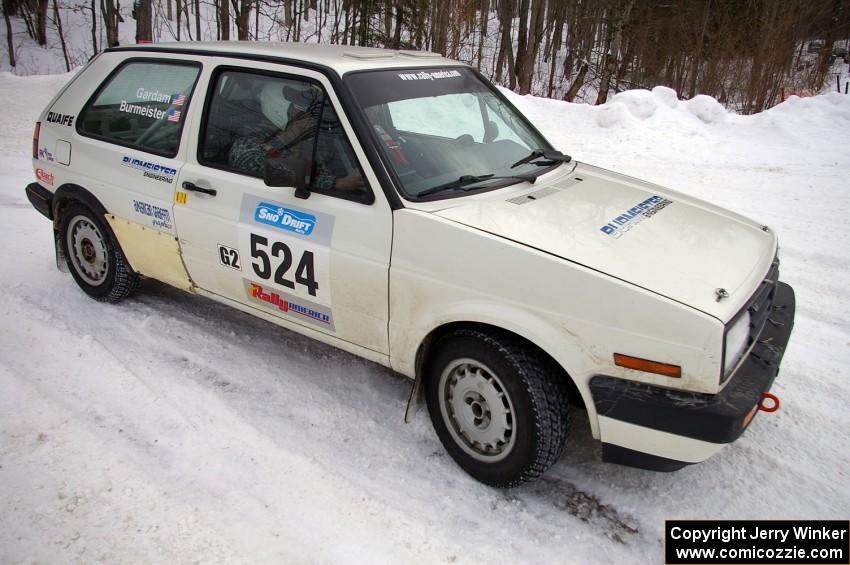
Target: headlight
(737, 340)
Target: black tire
(534, 392)
(96, 261)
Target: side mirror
(275, 174)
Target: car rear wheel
(499, 407)
(94, 257)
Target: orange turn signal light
(647, 366)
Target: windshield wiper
(545, 156)
(463, 182)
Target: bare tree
(61, 34)
(9, 41)
(110, 21)
(224, 19)
(142, 14)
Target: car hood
(660, 240)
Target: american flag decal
(172, 115)
(178, 99)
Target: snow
(169, 428)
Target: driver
(290, 116)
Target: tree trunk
(61, 35)
(242, 19)
(9, 41)
(612, 44)
(506, 49)
(198, 20)
(142, 14)
(224, 16)
(169, 10)
(41, 22)
(525, 63)
(110, 20)
(522, 43)
(577, 83)
(94, 27)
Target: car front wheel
(499, 407)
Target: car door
(320, 262)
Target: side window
(143, 105)
(255, 118)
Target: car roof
(340, 58)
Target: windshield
(437, 125)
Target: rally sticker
(635, 215)
(282, 303)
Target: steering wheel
(465, 139)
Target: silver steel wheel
(477, 410)
(88, 251)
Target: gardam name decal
(635, 215)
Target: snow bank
(169, 428)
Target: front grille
(759, 306)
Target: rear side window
(142, 105)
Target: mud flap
(415, 401)
(61, 262)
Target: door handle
(195, 188)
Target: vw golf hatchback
(394, 204)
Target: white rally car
(395, 205)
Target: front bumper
(663, 429)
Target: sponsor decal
(152, 95)
(160, 217)
(150, 170)
(285, 218)
(44, 176)
(635, 215)
(144, 111)
(171, 115)
(181, 197)
(61, 119)
(290, 305)
(229, 257)
(43, 153)
(425, 75)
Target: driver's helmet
(274, 106)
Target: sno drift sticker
(150, 170)
(161, 218)
(635, 215)
(285, 218)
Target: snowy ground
(171, 429)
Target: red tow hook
(773, 406)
